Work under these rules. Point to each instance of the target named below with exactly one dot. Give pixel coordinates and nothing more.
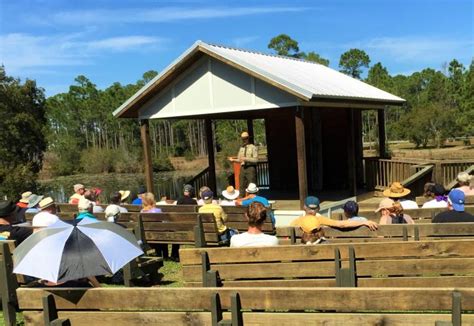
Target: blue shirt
(259, 199)
(81, 215)
(137, 201)
(32, 210)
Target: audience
(397, 192)
(149, 203)
(78, 193)
(47, 214)
(7, 217)
(438, 195)
(230, 195)
(203, 189)
(313, 232)
(85, 208)
(455, 212)
(33, 204)
(391, 212)
(141, 191)
(351, 211)
(124, 194)
(115, 201)
(251, 197)
(219, 215)
(254, 237)
(187, 199)
(311, 207)
(92, 195)
(466, 183)
(112, 213)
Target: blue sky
(54, 41)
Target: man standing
(455, 212)
(248, 158)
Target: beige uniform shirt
(249, 152)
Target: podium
(236, 166)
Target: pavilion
(312, 113)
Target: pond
(168, 184)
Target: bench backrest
(125, 306)
(405, 232)
(414, 263)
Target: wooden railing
(448, 171)
(201, 179)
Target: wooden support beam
(382, 136)
(301, 156)
(352, 164)
(210, 155)
(145, 135)
(250, 130)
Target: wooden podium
(236, 166)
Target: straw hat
(396, 189)
(25, 197)
(386, 203)
(230, 193)
(46, 202)
(252, 188)
(124, 194)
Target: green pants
(248, 174)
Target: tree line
(76, 132)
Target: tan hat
(309, 224)
(386, 203)
(244, 135)
(46, 202)
(252, 188)
(396, 189)
(124, 194)
(78, 186)
(25, 197)
(230, 193)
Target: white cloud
(24, 51)
(160, 15)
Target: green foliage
(22, 129)
(162, 163)
(284, 45)
(352, 62)
(314, 57)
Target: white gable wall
(210, 86)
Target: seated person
(455, 212)
(230, 195)
(466, 183)
(252, 196)
(219, 214)
(313, 232)
(203, 189)
(141, 191)
(92, 195)
(33, 204)
(149, 203)
(112, 213)
(47, 214)
(391, 212)
(187, 199)
(311, 207)
(85, 208)
(116, 200)
(124, 194)
(22, 207)
(7, 217)
(254, 237)
(397, 192)
(79, 190)
(438, 197)
(351, 211)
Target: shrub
(162, 163)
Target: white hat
(111, 212)
(230, 193)
(46, 202)
(44, 219)
(25, 197)
(78, 186)
(464, 177)
(252, 188)
(84, 204)
(124, 194)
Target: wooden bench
(248, 306)
(437, 263)
(420, 215)
(396, 232)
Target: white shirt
(253, 240)
(44, 219)
(409, 204)
(225, 202)
(435, 204)
(96, 208)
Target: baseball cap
(311, 202)
(437, 189)
(456, 199)
(208, 194)
(84, 204)
(386, 203)
(188, 188)
(351, 207)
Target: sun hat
(351, 207)
(309, 224)
(396, 189)
(43, 220)
(84, 204)
(456, 198)
(464, 177)
(252, 188)
(188, 188)
(6, 208)
(25, 197)
(311, 202)
(112, 211)
(208, 194)
(46, 202)
(124, 194)
(386, 203)
(78, 186)
(230, 193)
(34, 200)
(244, 135)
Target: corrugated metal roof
(305, 79)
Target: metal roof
(305, 79)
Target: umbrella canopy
(64, 252)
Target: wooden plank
(424, 248)
(301, 155)
(176, 217)
(177, 236)
(440, 281)
(345, 299)
(323, 282)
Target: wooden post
(210, 155)
(381, 123)
(250, 130)
(301, 155)
(352, 155)
(145, 134)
